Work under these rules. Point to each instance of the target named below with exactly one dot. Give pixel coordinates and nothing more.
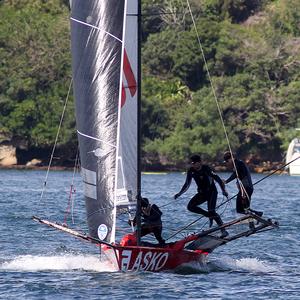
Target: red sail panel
(127, 173)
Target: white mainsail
(127, 159)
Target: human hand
(176, 196)
(131, 222)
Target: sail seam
(95, 27)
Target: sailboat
(293, 156)
(105, 44)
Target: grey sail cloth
(96, 35)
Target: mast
(138, 212)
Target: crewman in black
(244, 183)
(151, 220)
(207, 192)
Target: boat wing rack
(208, 240)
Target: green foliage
(285, 16)
(177, 53)
(157, 52)
(236, 11)
(251, 47)
(35, 55)
(152, 21)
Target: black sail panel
(96, 43)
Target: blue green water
(37, 262)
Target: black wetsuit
(207, 191)
(243, 198)
(152, 223)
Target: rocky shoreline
(14, 154)
(265, 167)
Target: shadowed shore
(264, 167)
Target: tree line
(252, 51)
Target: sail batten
(95, 27)
(95, 138)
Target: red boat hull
(139, 258)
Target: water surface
(37, 262)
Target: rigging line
(56, 138)
(76, 169)
(278, 169)
(185, 227)
(265, 177)
(72, 191)
(272, 173)
(226, 201)
(95, 27)
(162, 14)
(193, 222)
(171, 202)
(130, 219)
(213, 89)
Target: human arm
(230, 178)
(240, 171)
(154, 213)
(186, 185)
(217, 178)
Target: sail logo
(102, 231)
(144, 261)
(130, 78)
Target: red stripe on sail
(130, 79)
(129, 75)
(123, 95)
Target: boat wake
(66, 262)
(228, 264)
(253, 265)
(71, 262)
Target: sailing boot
(251, 226)
(224, 232)
(258, 213)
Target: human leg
(145, 229)
(242, 203)
(211, 206)
(198, 199)
(250, 192)
(157, 230)
(213, 215)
